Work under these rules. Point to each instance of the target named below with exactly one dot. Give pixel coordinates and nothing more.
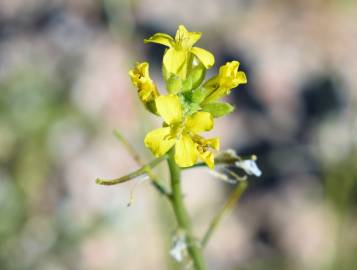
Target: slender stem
(128, 147)
(228, 207)
(182, 216)
(217, 161)
(154, 179)
(143, 170)
(223, 160)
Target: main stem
(182, 216)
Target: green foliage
(218, 109)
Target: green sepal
(151, 106)
(193, 107)
(174, 84)
(218, 109)
(198, 95)
(188, 106)
(197, 75)
(187, 84)
(194, 78)
(186, 96)
(165, 73)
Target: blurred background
(64, 87)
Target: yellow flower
(228, 78)
(178, 56)
(182, 132)
(141, 80)
(205, 147)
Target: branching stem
(139, 172)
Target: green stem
(228, 207)
(154, 180)
(182, 216)
(143, 170)
(217, 161)
(223, 160)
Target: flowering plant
(188, 109)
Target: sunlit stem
(226, 209)
(225, 160)
(135, 155)
(143, 170)
(182, 216)
(217, 161)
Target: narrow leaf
(218, 109)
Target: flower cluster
(191, 104)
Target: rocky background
(64, 88)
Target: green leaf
(218, 109)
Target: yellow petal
(170, 109)
(199, 121)
(186, 39)
(193, 37)
(140, 78)
(213, 143)
(140, 71)
(181, 32)
(147, 91)
(174, 60)
(205, 150)
(160, 38)
(185, 151)
(228, 78)
(159, 141)
(208, 158)
(206, 58)
(229, 69)
(241, 77)
(143, 68)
